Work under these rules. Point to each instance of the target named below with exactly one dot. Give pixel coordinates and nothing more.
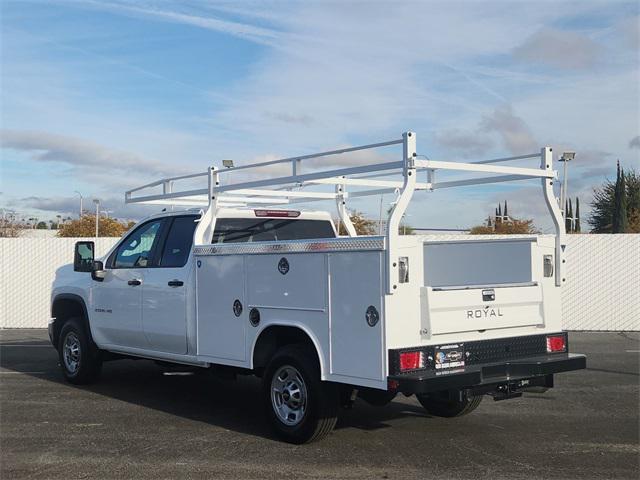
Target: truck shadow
(232, 405)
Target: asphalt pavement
(138, 422)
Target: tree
(363, 225)
(604, 204)
(633, 201)
(577, 225)
(503, 224)
(512, 227)
(9, 228)
(86, 227)
(620, 219)
(41, 226)
(405, 229)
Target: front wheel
(79, 358)
(440, 404)
(300, 407)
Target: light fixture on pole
(97, 202)
(75, 191)
(227, 163)
(566, 158)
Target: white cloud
(69, 206)
(243, 30)
(465, 143)
(85, 157)
(514, 131)
(559, 49)
(635, 142)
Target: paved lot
(139, 423)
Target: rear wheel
(79, 359)
(300, 407)
(440, 404)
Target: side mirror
(98, 273)
(83, 257)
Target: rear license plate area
(449, 356)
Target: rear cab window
(242, 230)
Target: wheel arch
(65, 306)
(277, 335)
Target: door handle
(134, 282)
(175, 283)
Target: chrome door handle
(175, 283)
(134, 282)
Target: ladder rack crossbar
(314, 155)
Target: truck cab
(143, 298)
(248, 284)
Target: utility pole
(97, 202)
(75, 191)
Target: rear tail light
(411, 361)
(277, 213)
(556, 343)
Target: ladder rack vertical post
(167, 187)
(343, 212)
(393, 223)
(546, 157)
(208, 220)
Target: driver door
(117, 300)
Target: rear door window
(239, 230)
(179, 241)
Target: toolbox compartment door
(465, 310)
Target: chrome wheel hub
(288, 395)
(71, 353)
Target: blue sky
(100, 96)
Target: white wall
(27, 268)
(602, 290)
(603, 283)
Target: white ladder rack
(295, 187)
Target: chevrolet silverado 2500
(239, 282)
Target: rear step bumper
(485, 376)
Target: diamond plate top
(293, 246)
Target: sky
(98, 97)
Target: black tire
(440, 405)
(75, 348)
(298, 384)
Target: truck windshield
(236, 230)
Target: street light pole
(566, 158)
(97, 202)
(75, 191)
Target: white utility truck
(241, 283)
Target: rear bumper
(516, 371)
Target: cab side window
(178, 243)
(137, 249)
